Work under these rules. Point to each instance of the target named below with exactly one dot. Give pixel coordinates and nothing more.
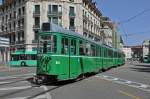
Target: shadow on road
(141, 68)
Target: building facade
(22, 19)
(128, 52)
(107, 31)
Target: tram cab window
(64, 46)
(15, 57)
(48, 44)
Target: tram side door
(73, 59)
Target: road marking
(38, 97)
(48, 95)
(4, 82)
(129, 94)
(12, 82)
(14, 88)
(137, 85)
(15, 76)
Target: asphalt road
(131, 81)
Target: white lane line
(4, 82)
(12, 82)
(14, 88)
(137, 85)
(48, 95)
(38, 97)
(15, 76)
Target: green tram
(23, 58)
(64, 55)
(146, 59)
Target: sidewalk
(3, 66)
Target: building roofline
(92, 6)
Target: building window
(37, 21)
(35, 35)
(71, 0)
(19, 11)
(55, 20)
(55, 8)
(49, 9)
(23, 35)
(23, 10)
(60, 9)
(71, 11)
(37, 9)
(72, 22)
(14, 25)
(14, 14)
(19, 36)
(49, 19)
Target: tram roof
(51, 27)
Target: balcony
(72, 28)
(85, 30)
(19, 28)
(20, 42)
(49, 13)
(36, 27)
(85, 18)
(72, 15)
(12, 43)
(36, 13)
(21, 16)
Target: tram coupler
(39, 80)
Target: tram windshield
(47, 44)
(23, 57)
(15, 57)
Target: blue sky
(137, 29)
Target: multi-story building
(107, 31)
(116, 36)
(22, 19)
(128, 52)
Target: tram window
(82, 48)
(15, 57)
(97, 51)
(73, 47)
(93, 50)
(109, 53)
(54, 47)
(45, 47)
(33, 57)
(100, 53)
(64, 49)
(105, 52)
(23, 57)
(88, 49)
